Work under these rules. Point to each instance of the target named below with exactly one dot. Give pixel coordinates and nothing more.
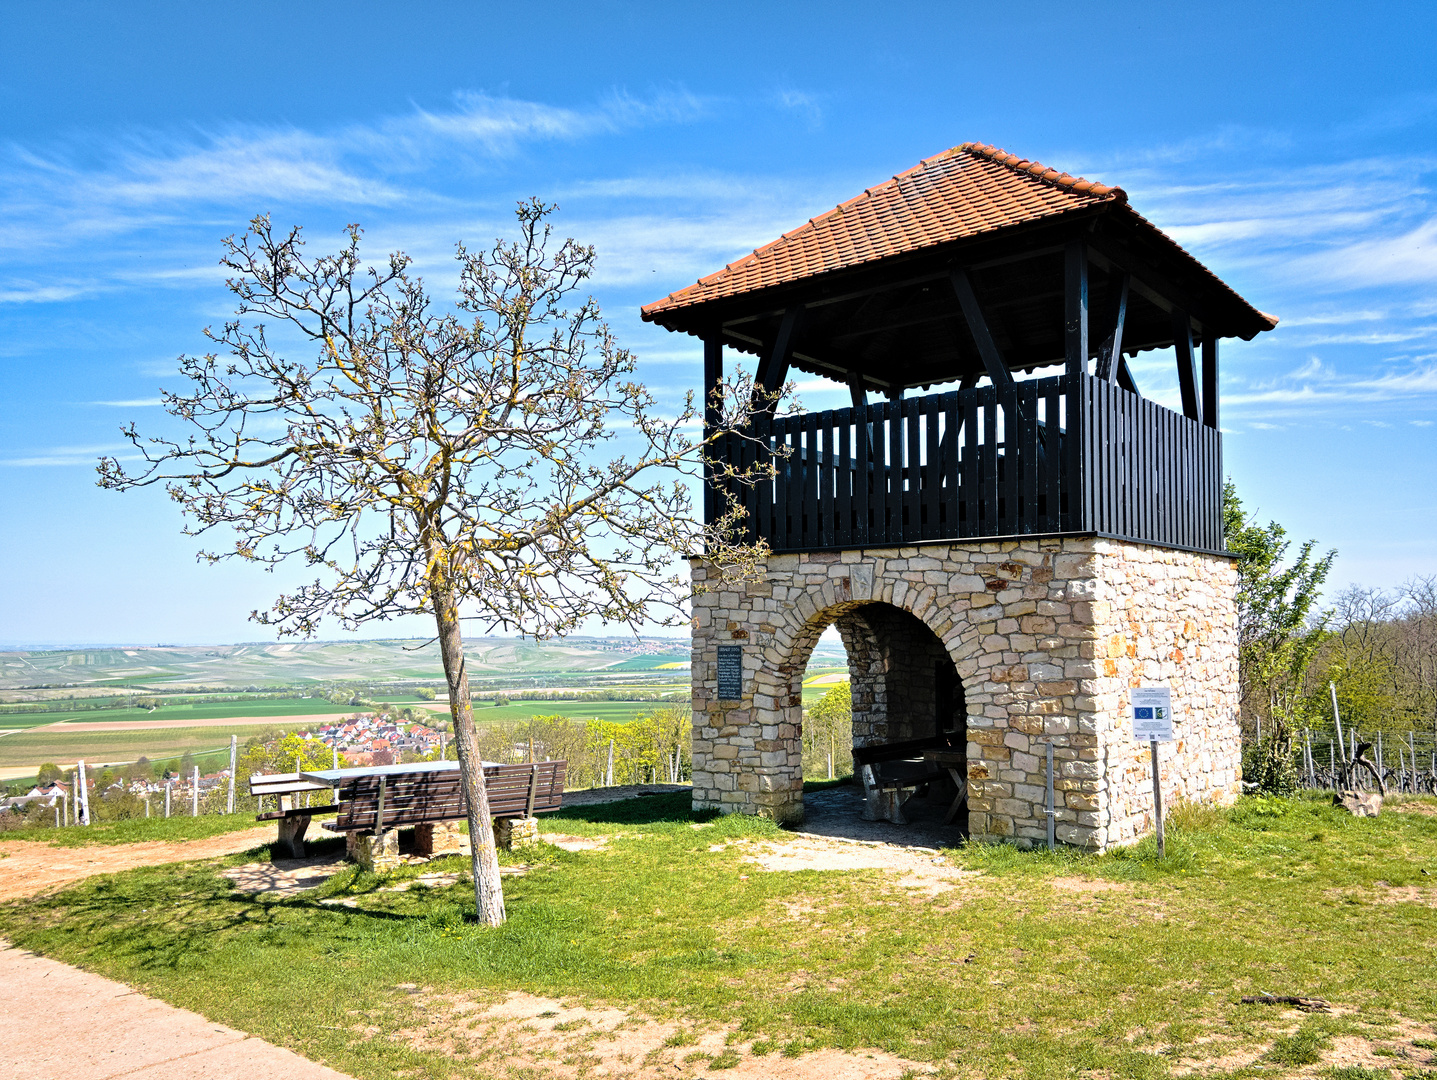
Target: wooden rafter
(978, 327)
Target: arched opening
(909, 720)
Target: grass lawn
(1036, 965)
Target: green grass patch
(1042, 965)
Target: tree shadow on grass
(672, 807)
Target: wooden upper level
(969, 269)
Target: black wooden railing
(1044, 457)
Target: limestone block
(511, 833)
(438, 838)
(375, 853)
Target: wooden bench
(394, 800)
(293, 819)
(887, 770)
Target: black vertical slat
(970, 462)
(894, 530)
(783, 466)
(827, 475)
(1097, 456)
(1028, 481)
(759, 496)
(1052, 461)
(795, 483)
(950, 464)
(912, 507)
(843, 478)
(878, 477)
(931, 491)
(988, 498)
(811, 475)
(862, 478)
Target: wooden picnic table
(955, 762)
(379, 797)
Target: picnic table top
(338, 776)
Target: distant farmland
(34, 748)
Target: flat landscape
(61, 706)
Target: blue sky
(1292, 148)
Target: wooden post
(83, 810)
(195, 793)
(1187, 376)
(1209, 378)
(379, 810)
(1052, 811)
(1337, 722)
(1158, 800)
(234, 762)
(168, 785)
(713, 377)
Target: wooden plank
(844, 479)
(810, 482)
(988, 480)
(930, 496)
(827, 477)
(793, 502)
(862, 478)
(763, 495)
(1026, 517)
(949, 464)
(1052, 457)
(971, 463)
(912, 473)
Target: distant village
(363, 739)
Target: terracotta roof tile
(965, 191)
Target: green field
(37, 747)
(615, 712)
(200, 710)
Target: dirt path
(28, 868)
(81, 1026)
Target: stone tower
(1011, 537)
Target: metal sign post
(1152, 709)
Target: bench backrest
(285, 783)
(421, 797)
(897, 751)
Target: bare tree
(496, 457)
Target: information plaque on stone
(730, 672)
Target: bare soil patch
(28, 868)
(526, 1034)
(283, 877)
(919, 868)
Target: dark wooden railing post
(1075, 355)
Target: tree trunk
(488, 891)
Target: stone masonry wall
(1047, 637)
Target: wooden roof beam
(978, 327)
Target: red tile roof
(966, 191)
